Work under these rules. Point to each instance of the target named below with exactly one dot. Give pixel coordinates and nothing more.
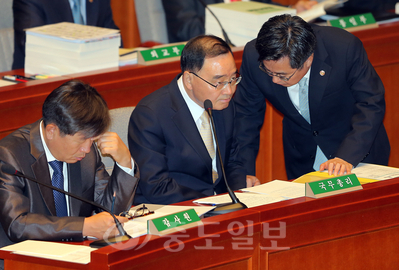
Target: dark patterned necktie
(58, 182)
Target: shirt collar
(195, 109)
(47, 152)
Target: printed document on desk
(248, 198)
(51, 250)
(286, 189)
(319, 9)
(374, 171)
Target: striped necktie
(206, 134)
(58, 182)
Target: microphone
(226, 37)
(236, 204)
(8, 169)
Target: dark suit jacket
(347, 106)
(27, 209)
(32, 13)
(185, 19)
(167, 146)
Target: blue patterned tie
(77, 15)
(58, 182)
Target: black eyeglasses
(140, 212)
(222, 85)
(271, 74)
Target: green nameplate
(356, 22)
(173, 222)
(160, 54)
(332, 186)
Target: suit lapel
(186, 125)
(75, 187)
(319, 76)
(286, 105)
(40, 167)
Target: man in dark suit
(74, 116)
(185, 19)
(164, 129)
(32, 13)
(339, 124)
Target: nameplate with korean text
(355, 23)
(173, 222)
(160, 54)
(332, 186)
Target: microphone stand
(236, 204)
(226, 37)
(96, 244)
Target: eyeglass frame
(143, 208)
(272, 74)
(238, 80)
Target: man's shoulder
(333, 34)
(18, 142)
(160, 98)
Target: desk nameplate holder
(332, 186)
(355, 23)
(160, 54)
(174, 222)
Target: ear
(309, 61)
(187, 80)
(50, 131)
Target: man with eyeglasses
(169, 133)
(331, 97)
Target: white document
(51, 250)
(248, 198)
(6, 83)
(138, 226)
(74, 32)
(286, 189)
(377, 172)
(319, 9)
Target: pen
(16, 78)
(113, 202)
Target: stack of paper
(65, 48)
(320, 9)
(241, 20)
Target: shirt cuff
(126, 169)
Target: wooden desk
(356, 230)
(125, 86)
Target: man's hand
(336, 166)
(304, 5)
(110, 143)
(101, 225)
(252, 181)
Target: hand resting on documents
(101, 224)
(336, 166)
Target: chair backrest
(151, 20)
(6, 35)
(120, 122)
